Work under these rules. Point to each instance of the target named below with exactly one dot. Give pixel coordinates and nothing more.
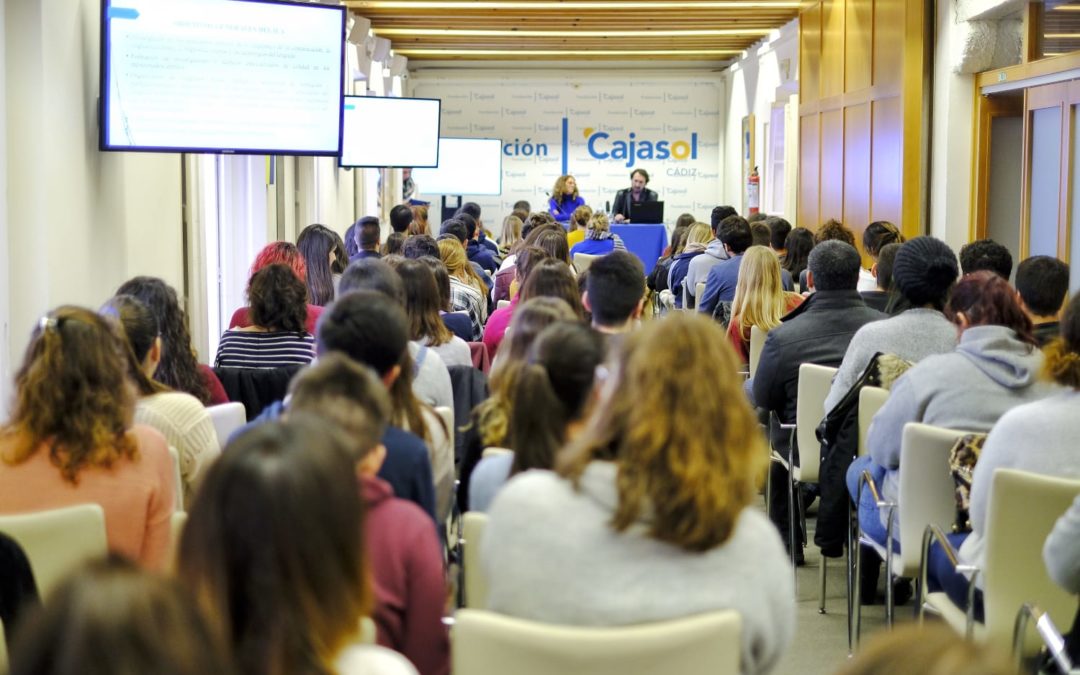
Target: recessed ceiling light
(566, 52)
(475, 32)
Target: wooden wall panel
(832, 165)
(832, 48)
(888, 42)
(885, 170)
(857, 168)
(810, 54)
(859, 44)
(809, 170)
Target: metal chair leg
(821, 588)
(849, 561)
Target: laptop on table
(647, 212)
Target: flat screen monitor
(385, 131)
(235, 76)
(467, 166)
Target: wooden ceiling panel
(574, 29)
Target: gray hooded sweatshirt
(969, 388)
(700, 266)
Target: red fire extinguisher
(753, 192)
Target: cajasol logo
(632, 148)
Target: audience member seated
(474, 250)
(797, 249)
(420, 245)
(274, 549)
(876, 235)
(406, 559)
(179, 417)
(1062, 550)
(431, 379)
(760, 235)
(649, 517)
(425, 323)
(1042, 283)
(69, 438)
(599, 239)
(368, 234)
(698, 239)
(923, 273)
(714, 253)
(473, 209)
(499, 320)
(511, 234)
(986, 254)
(779, 229)
(615, 292)
(881, 297)
(930, 648)
(179, 368)
(578, 225)
(994, 368)
(1038, 437)
(723, 277)
(830, 230)
(492, 417)
(320, 246)
(564, 199)
(468, 291)
(551, 278)
(419, 224)
(458, 322)
(18, 589)
(553, 241)
(287, 254)
(506, 286)
(657, 280)
(760, 299)
(276, 338)
(817, 331)
(394, 245)
(401, 216)
(551, 398)
(111, 618)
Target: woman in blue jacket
(564, 199)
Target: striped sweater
(249, 349)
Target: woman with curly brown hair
(649, 516)
(277, 337)
(70, 439)
(284, 253)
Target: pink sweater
(496, 326)
(137, 497)
(406, 564)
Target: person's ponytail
(537, 422)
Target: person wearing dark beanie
(923, 273)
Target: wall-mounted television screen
(238, 76)
(385, 131)
(467, 166)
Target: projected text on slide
(218, 74)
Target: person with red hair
(286, 253)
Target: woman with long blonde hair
(760, 298)
(649, 517)
(467, 290)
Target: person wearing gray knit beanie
(924, 270)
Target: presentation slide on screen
(386, 131)
(220, 74)
(467, 166)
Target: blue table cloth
(645, 240)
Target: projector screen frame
(425, 190)
(104, 83)
(438, 133)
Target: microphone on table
(607, 207)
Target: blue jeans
(942, 576)
(869, 514)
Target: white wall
(767, 75)
(951, 140)
(85, 220)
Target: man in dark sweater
(818, 331)
(1042, 283)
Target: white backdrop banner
(597, 126)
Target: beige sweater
(187, 428)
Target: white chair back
(927, 492)
(1023, 508)
(58, 541)
(227, 418)
(757, 341)
(814, 383)
(871, 399)
(699, 290)
(502, 303)
(582, 261)
(176, 530)
(178, 481)
(492, 451)
(485, 643)
(473, 524)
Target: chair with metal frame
(1022, 511)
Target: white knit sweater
(187, 427)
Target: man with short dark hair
(1042, 282)
(818, 331)
(367, 233)
(522, 205)
(615, 291)
(736, 237)
(401, 217)
(760, 234)
(779, 229)
(715, 253)
(476, 252)
(986, 254)
(420, 245)
(473, 209)
(456, 227)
